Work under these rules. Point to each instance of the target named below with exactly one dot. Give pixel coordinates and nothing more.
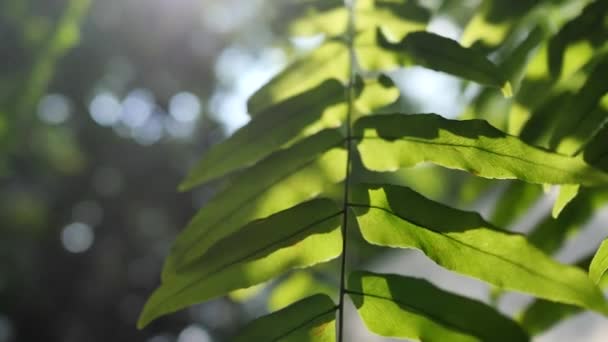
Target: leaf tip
(507, 90)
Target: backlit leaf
(284, 179)
(599, 264)
(392, 141)
(310, 320)
(268, 132)
(463, 242)
(330, 60)
(301, 236)
(566, 194)
(404, 307)
(446, 55)
(543, 314)
(297, 286)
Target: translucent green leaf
(392, 141)
(446, 55)
(309, 320)
(372, 57)
(313, 17)
(330, 60)
(492, 23)
(550, 234)
(463, 242)
(404, 307)
(543, 314)
(376, 93)
(299, 285)
(397, 16)
(243, 295)
(566, 194)
(599, 264)
(283, 179)
(582, 113)
(269, 131)
(588, 25)
(330, 17)
(298, 237)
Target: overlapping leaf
(309, 320)
(582, 114)
(271, 130)
(599, 263)
(492, 23)
(392, 141)
(550, 233)
(330, 60)
(404, 307)
(589, 25)
(282, 180)
(330, 17)
(302, 236)
(297, 286)
(288, 122)
(463, 242)
(543, 314)
(446, 55)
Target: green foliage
(297, 190)
(599, 264)
(388, 308)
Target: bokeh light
(77, 237)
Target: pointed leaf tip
(507, 90)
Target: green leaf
(299, 285)
(400, 17)
(588, 25)
(298, 237)
(596, 152)
(330, 17)
(392, 141)
(599, 264)
(282, 180)
(463, 242)
(543, 314)
(550, 234)
(446, 55)
(404, 307)
(515, 201)
(566, 194)
(376, 94)
(309, 320)
(270, 130)
(492, 23)
(313, 17)
(330, 60)
(582, 114)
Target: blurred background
(104, 107)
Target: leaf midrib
(213, 226)
(249, 255)
(388, 139)
(523, 267)
(276, 124)
(303, 324)
(420, 311)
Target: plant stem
(350, 107)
